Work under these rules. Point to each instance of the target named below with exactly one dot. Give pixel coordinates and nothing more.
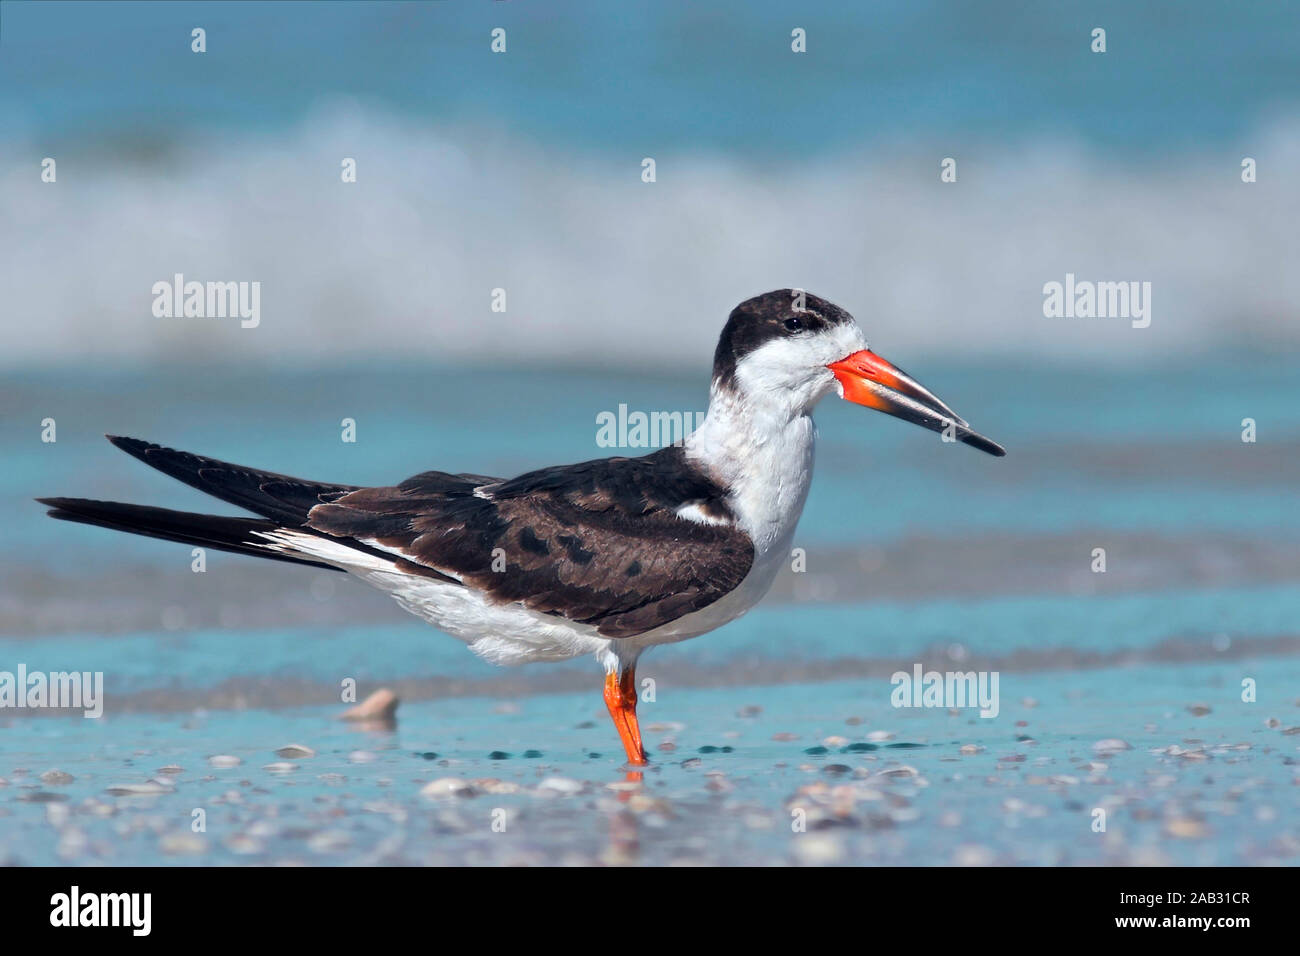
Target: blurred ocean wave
(601, 269)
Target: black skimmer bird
(606, 557)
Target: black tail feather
(217, 532)
(281, 498)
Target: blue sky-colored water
(680, 75)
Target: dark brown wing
(598, 543)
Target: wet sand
(812, 774)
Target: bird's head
(791, 349)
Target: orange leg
(620, 698)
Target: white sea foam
(601, 268)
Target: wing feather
(599, 543)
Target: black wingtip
(65, 509)
(135, 447)
(67, 505)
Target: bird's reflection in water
(624, 829)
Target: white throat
(762, 452)
(758, 438)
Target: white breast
(767, 466)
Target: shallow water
(898, 786)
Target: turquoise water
(770, 636)
(623, 77)
(916, 553)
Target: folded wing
(599, 543)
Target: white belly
(513, 634)
(500, 633)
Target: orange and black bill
(867, 379)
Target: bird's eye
(794, 324)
